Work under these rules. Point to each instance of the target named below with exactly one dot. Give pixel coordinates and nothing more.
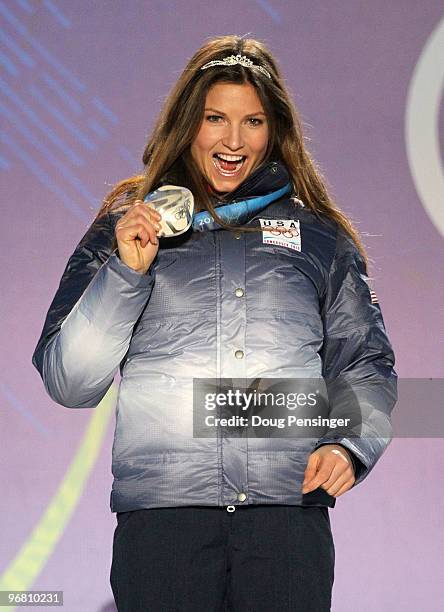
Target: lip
(229, 175)
(232, 154)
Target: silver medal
(176, 205)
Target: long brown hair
(167, 154)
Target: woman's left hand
(331, 468)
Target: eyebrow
(221, 113)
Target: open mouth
(228, 165)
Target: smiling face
(233, 137)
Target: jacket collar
(267, 177)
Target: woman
(225, 517)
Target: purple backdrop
(81, 85)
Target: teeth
(224, 172)
(230, 157)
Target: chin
(226, 185)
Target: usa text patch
(282, 232)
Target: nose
(233, 138)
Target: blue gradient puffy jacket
(218, 304)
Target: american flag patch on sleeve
(373, 296)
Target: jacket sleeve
(89, 324)
(358, 361)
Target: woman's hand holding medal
(136, 235)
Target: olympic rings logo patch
(282, 232)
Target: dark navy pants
(206, 559)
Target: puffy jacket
(218, 304)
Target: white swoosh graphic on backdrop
(422, 126)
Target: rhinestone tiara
(232, 60)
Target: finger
(311, 469)
(335, 482)
(144, 238)
(339, 470)
(142, 230)
(132, 231)
(156, 214)
(150, 231)
(139, 215)
(323, 473)
(345, 487)
(140, 206)
(153, 233)
(142, 213)
(146, 217)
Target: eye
(213, 118)
(254, 121)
